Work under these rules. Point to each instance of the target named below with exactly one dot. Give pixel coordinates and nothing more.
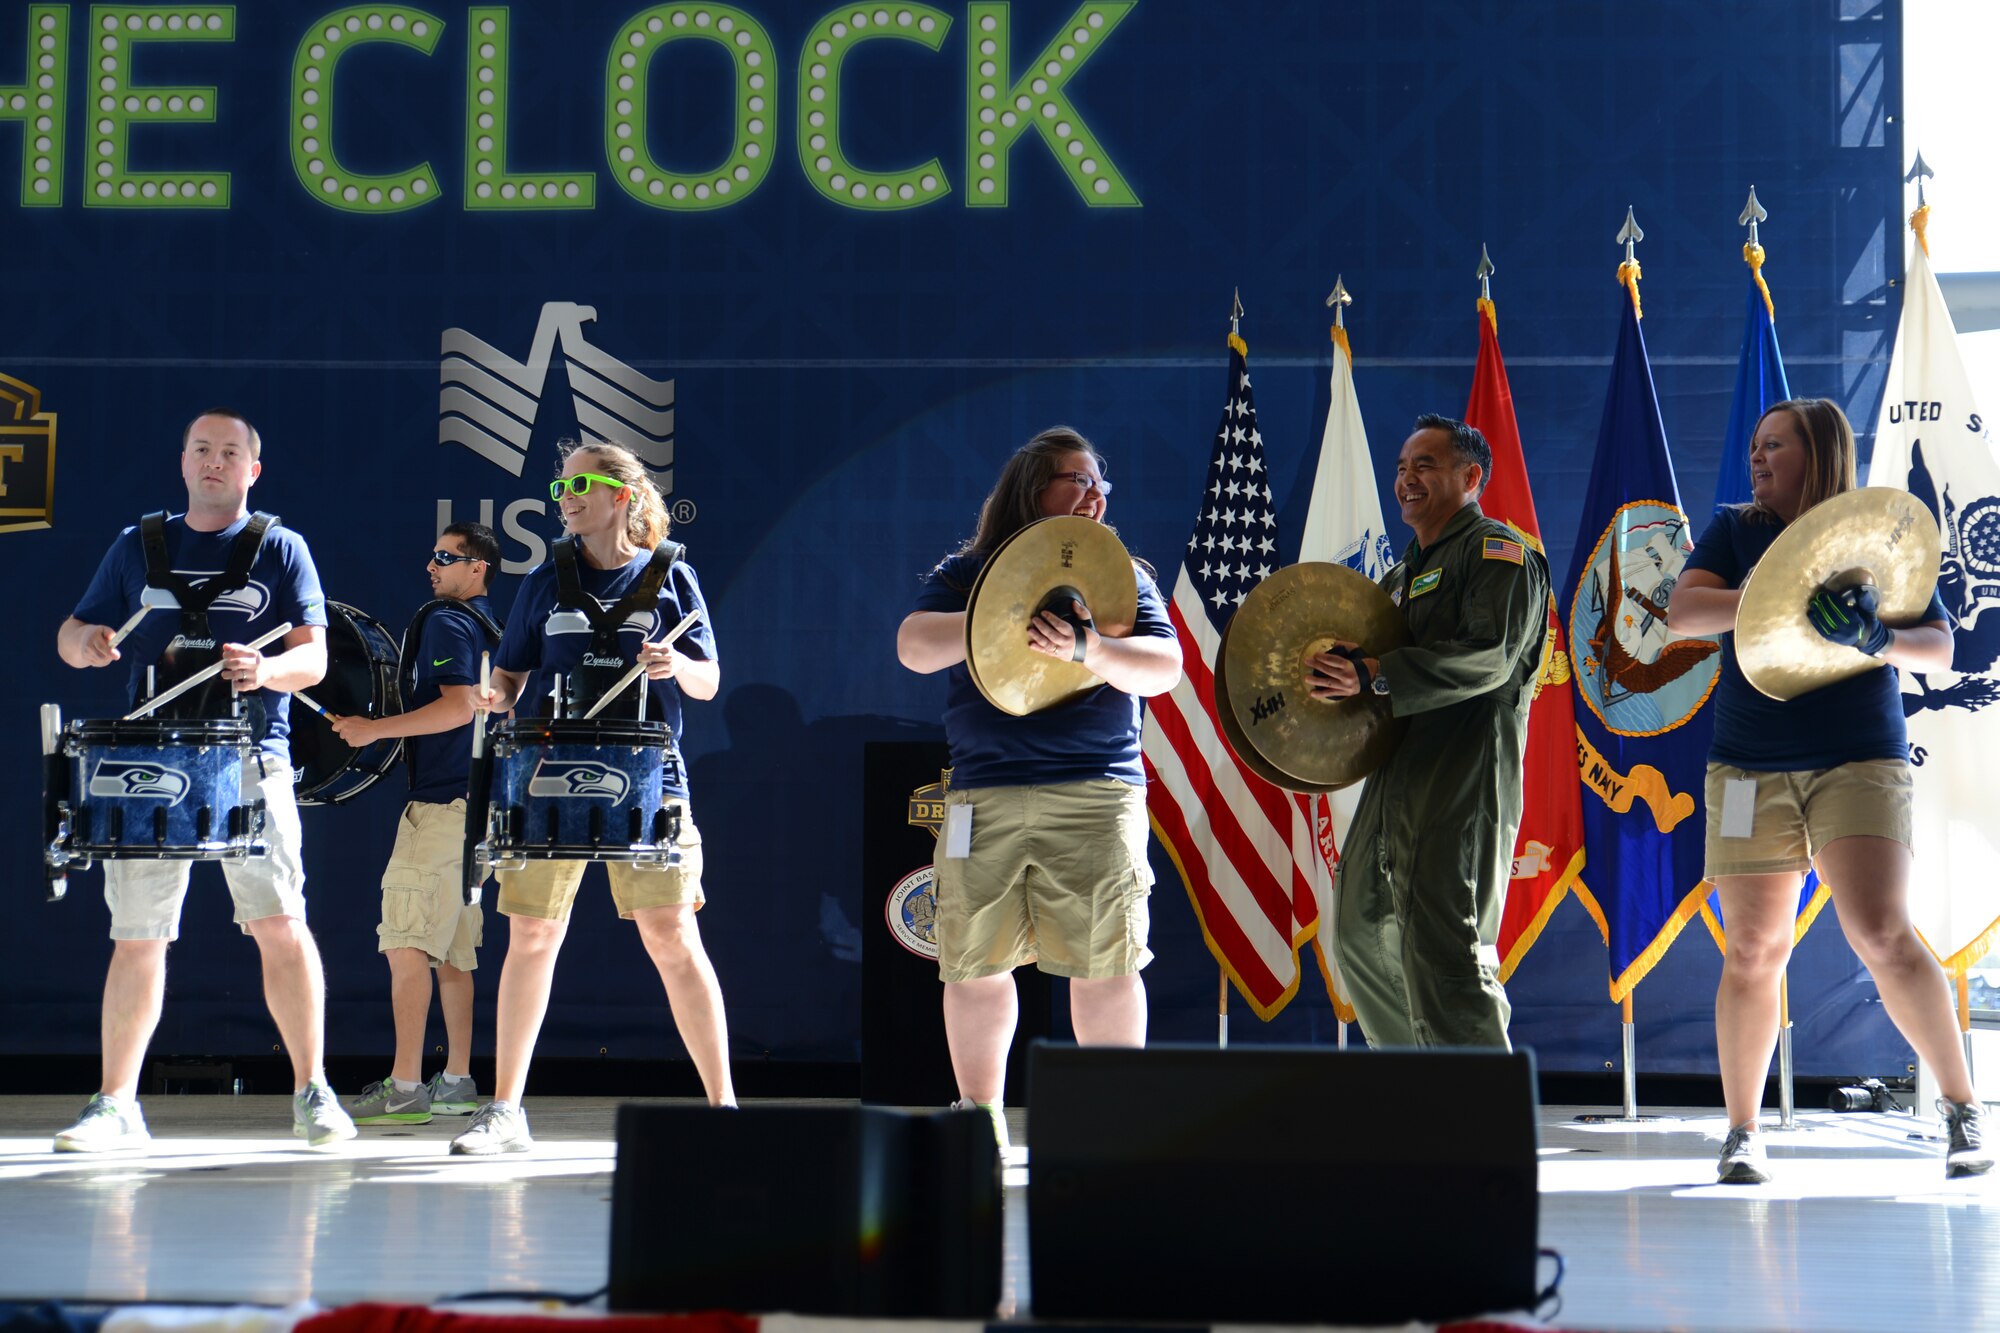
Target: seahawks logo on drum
(580, 778)
(118, 778)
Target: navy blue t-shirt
(447, 654)
(1851, 720)
(529, 645)
(284, 585)
(1093, 736)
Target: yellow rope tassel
(1242, 348)
(1753, 255)
(1628, 276)
(1340, 341)
(1486, 308)
(1918, 221)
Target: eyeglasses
(580, 484)
(1083, 481)
(446, 559)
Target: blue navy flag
(1760, 381)
(1643, 728)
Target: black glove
(1848, 618)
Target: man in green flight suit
(1424, 873)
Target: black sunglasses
(445, 559)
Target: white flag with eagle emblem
(1932, 440)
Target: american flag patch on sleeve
(1500, 548)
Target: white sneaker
(108, 1124)
(497, 1127)
(1743, 1160)
(317, 1117)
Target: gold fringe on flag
(1340, 341)
(1753, 255)
(1492, 314)
(1242, 348)
(1628, 276)
(1919, 220)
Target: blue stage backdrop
(825, 267)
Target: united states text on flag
(1932, 439)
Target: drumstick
(312, 703)
(479, 714)
(205, 674)
(687, 622)
(152, 599)
(118, 637)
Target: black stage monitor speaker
(838, 1210)
(1280, 1184)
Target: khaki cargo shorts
(1057, 876)
(1797, 814)
(423, 899)
(547, 889)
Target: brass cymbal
(1261, 671)
(1239, 744)
(1065, 552)
(1876, 534)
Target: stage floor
(1859, 1231)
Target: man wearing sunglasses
(427, 926)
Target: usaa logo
(118, 779)
(27, 458)
(566, 778)
(912, 912)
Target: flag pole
(1221, 1007)
(1785, 1052)
(1629, 1040)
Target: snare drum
(582, 791)
(363, 665)
(156, 790)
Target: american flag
(1245, 850)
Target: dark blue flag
(1760, 381)
(1643, 723)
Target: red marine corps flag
(1247, 853)
(1548, 852)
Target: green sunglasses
(580, 484)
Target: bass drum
(363, 665)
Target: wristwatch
(1380, 685)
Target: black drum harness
(413, 638)
(604, 661)
(195, 647)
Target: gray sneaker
(497, 1127)
(106, 1125)
(1743, 1160)
(317, 1117)
(995, 1112)
(1964, 1153)
(384, 1103)
(452, 1096)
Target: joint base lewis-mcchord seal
(912, 912)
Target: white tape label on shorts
(1739, 806)
(958, 831)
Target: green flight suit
(1423, 876)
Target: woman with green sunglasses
(616, 517)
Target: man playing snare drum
(427, 925)
(219, 463)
